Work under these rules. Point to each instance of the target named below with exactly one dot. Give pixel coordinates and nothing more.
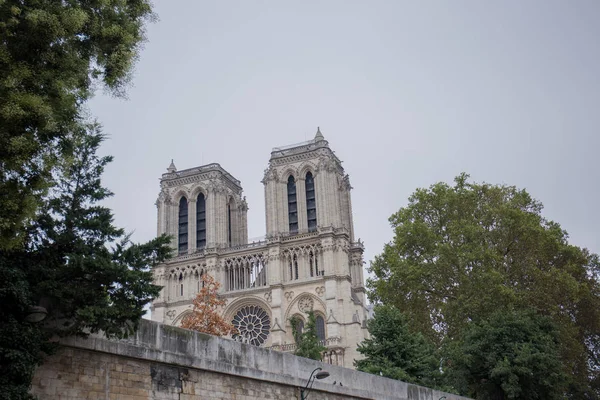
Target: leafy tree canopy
(396, 352)
(462, 252)
(205, 316)
(52, 53)
(308, 344)
(511, 355)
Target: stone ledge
(166, 344)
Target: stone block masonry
(162, 362)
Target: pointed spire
(319, 136)
(172, 168)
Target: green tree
(396, 352)
(462, 252)
(307, 342)
(68, 268)
(52, 56)
(511, 355)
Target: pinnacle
(319, 136)
(172, 168)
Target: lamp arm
(311, 375)
(310, 379)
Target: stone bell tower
(308, 260)
(202, 208)
(309, 224)
(306, 187)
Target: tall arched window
(292, 205)
(311, 203)
(299, 330)
(183, 225)
(320, 322)
(300, 326)
(230, 213)
(200, 222)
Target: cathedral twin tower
(309, 259)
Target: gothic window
(299, 330)
(229, 224)
(181, 284)
(320, 327)
(292, 205)
(311, 203)
(291, 265)
(311, 258)
(300, 326)
(200, 221)
(183, 225)
(253, 325)
(246, 272)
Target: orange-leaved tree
(205, 317)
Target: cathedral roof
(174, 177)
(310, 145)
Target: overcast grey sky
(406, 93)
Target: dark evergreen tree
(78, 266)
(307, 341)
(396, 352)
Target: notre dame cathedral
(309, 258)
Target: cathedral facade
(308, 260)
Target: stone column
(173, 225)
(335, 198)
(210, 217)
(301, 202)
(244, 222)
(278, 333)
(350, 217)
(191, 226)
(159, 220)
(271, 209)
(283, 223)
(321, 196)
(221, 228)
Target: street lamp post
(320, 375)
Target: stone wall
(163, 362)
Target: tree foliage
(205, 316)
(69, 268)
(396, 352)
(52, 55)
(462, 252)
(308, 344)
(511, 355)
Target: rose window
(306, 304)
(253, 325)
